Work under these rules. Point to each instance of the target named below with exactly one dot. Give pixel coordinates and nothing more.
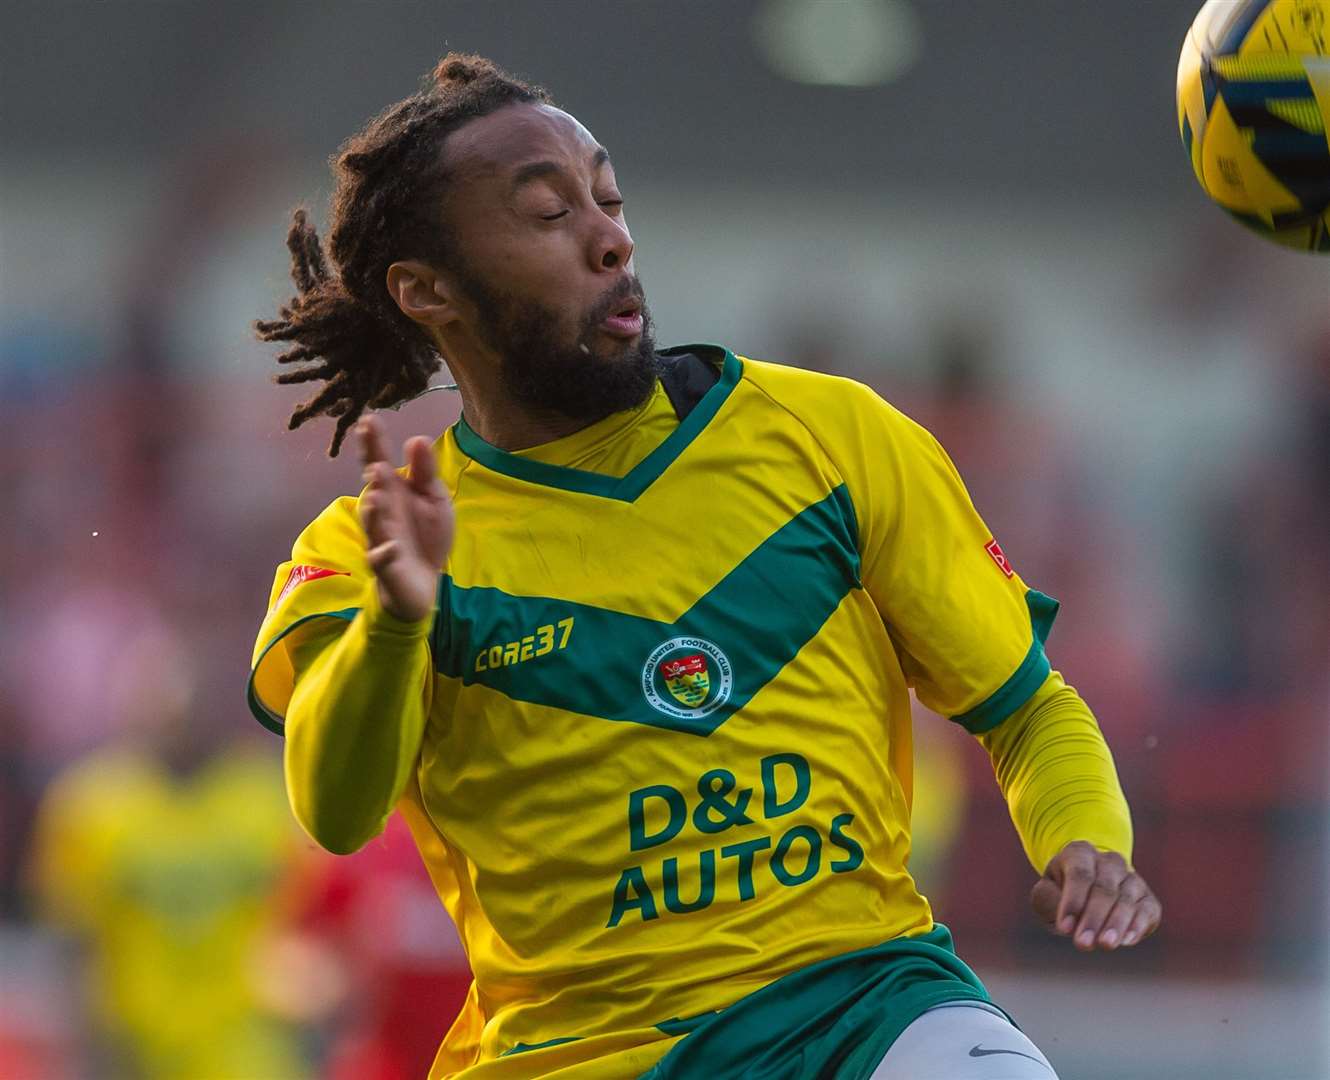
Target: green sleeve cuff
(1025, 680)
(384, 630)
(268, 717)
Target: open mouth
(626, 321)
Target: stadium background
(1002, 235)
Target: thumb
(1044, 899)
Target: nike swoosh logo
(978, 1051)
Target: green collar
(640, 476)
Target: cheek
(499, 247)
(551, 271)
(537, 265)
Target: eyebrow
(537, 169)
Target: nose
(612, 244)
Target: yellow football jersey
(170, 880)
(668, 756)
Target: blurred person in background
(494, 219)
(161, 855)
(401, 977)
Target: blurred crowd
(162, 916)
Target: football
(1253, 100)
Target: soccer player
(161, 854)
(630, 646)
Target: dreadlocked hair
(343, 325)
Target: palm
(408, 523)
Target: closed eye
(553, 217)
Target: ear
(424, 295)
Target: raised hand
(1095, 898)
(408, 522)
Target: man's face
(542, 252)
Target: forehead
(498, 144)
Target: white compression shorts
(963, 1040)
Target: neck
(490, 411)
(509, 426)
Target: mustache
(627, 288)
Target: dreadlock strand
(299, 353)
(318, 269)
(319, 403)
(389, 184)
(339, 433)
(270, 330)
(309, 374)
(306, 253)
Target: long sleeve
(968, 632)
(1057, 775)
(355, 721)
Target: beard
(579, 379)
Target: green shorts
(833, 1020)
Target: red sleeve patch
(302, 573)
(995, 550)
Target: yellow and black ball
(1254, 111)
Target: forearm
(1057, 775)
(354, 725)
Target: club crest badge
(687, 678)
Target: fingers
(423, 473)
(378, 502)
(407, 513)
(407, 519)
(1074, 869)
(1131, 892)
(1110, 870)
(380, 509)
(1096, 898)
(1145, 921)
(1044, 898)
(430, 508)
(383, 555)
(381, 501)
(373, 445)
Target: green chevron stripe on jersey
(759, 616)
